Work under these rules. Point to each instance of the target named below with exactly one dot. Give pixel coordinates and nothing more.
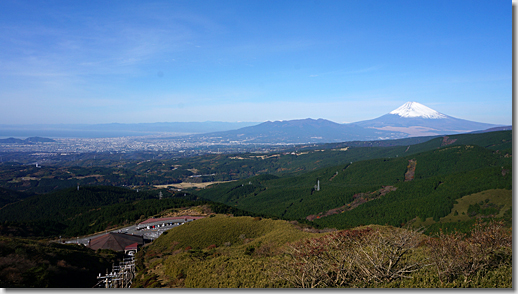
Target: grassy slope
(251, 263)
(459, 213)
(222, 229)
(227, 265)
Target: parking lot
(150, 229)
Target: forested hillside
(41, 264)
(383, 191)
(303, 159)
(9, 196)
(72, 212)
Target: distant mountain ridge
(297, 132)
(412, 119)
(30, 140)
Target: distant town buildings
(70, 146)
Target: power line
(121, 275)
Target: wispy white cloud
(101, 45)
(349, 72)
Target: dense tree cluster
(72, 212)
(41, 264)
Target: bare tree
(350, 257)
(385, 255)
(457, 254)
(319, 262)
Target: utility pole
(120, 276)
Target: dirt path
(410, 172)
(359, 199)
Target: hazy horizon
(252, 61)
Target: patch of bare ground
(359, 199)
(410, 172)
(447, 141)
(187, 185)
(331, 179)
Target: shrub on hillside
(487, 247)
(350, 258)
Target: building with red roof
(117, 242)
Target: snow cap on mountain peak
(414, 109)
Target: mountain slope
(29, 140)
(297, 197)
(441, 175)
(415, 119)
(297, 132)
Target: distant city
(119, 144)
(76, 150)
(125, 144)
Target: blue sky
(168, 61)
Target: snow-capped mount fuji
(414, 109)
(416, 119)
